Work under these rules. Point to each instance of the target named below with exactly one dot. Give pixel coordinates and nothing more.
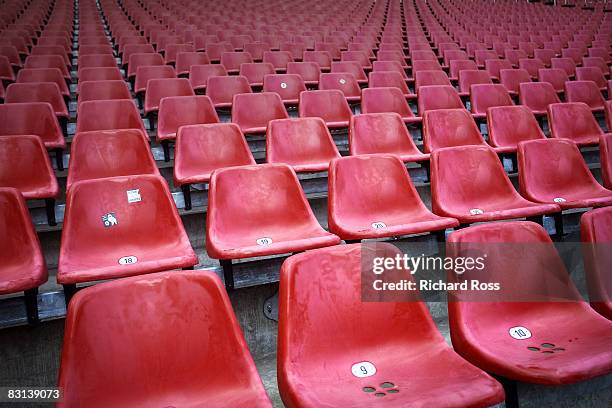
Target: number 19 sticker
(363, 369)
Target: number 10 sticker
(363, 369)
(519, 333)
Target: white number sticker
(264, 241)
(283, 85)
(342, 81)
(133, 196)
(559, 200)
(519, 333)
(363, 369)
(379, 225)
(128, 260)
(476, 211)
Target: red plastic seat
(161, 88)
(103, 90)
(537, 96)
(12, 55)
(51, 50)
(595, 62)
(256, 49)
(586, 92)
(509, 125)
(554, 76)
(94, 49)
(434, 97)
(386, 79)
(512, 78)
(484, 96)
(305, 144)
(460, 174)
(359, 57)
(147, 72)
(221, 89)
(278, 59)
(553, 171)
(594, 74)
(199, 74)
(110, 235)
(573, 121)
(573, 53)
(252, 111)
(309, 336)
(532, 66)
(566, 64)
(109, 153)
(459, 65)
(142, 59)
(215, 50)
(425, 78)
(172, 51)
(96, 60)
(329, 105)
(109, 115)
(350, 67)
(38, 92)
(254, 72)
(390, 66)
(495, 65)
(282, 223)
(131, 49)
(481, 330)
(344, 82)
(469, 77)
(596, 235)
(331, 48)
(513, 56)
(48, 61)
(309, 71)
(135, 339)
(545, 55)
(185, 60)
(605, 155)
(379, 100)
(480, 56)
(287, 86)
(232, 60)
(454, 55)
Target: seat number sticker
(283, 85)
(342, 81)
(519, 333)
(109, 220)
(133, 196)
(128, 260)
(264, 241)
(379, 225)
(363, 369)
(559, 200)
(476, 211)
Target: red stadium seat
(96, 61)
(177, 111)
(185, 60)
(574, 53)
(467, 78)
(410, 336)
(554, 76)
(145, 73)
(329, 105)
(252, 111)
(460, 174)
(537, 96)
(322, 58)
(103, 90)
(386, 79)
(425, 78)
(109, 153)
(254, 72)
(201, 149)
(279, 59)
(484, 96)
(344, 82)
(586, 92)
(480, 56)
(573, 121)
(509, 125)
(140, 60)
(161, 88)
(482, 331)
(596, 236)
(12, 55)
(350, 67)
(512, 78)
(172, 51)
(256, 49)
(459, 65)
(390, 66)
(51, 50)
(215, 50)
(533, 65)
(199, 74)
(282, 223)
(544, 55)
(44, 75)
(359, 57)
(372, 133)
(379, 100)
(309, 71)
(109, 115)
(287, 86)
(513, 56)
(594, 74)
(39, 92)
(118, 227)
(221, 89)
(553, 171)
(566, 64)
(131, 49)
(305, 144)
(595, 62)
(232, 60)
(48, 61)
(23, 268)
(494, 66)
(434, 97)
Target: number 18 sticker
(363, 369)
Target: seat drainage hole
(387, 385)
(380, 394)
(548, 352)
(547, 345)
(533, 348)
(369, 389)
(558, 349)
(393, 391)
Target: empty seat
(130, 49)
(173, 50)
(513, 56)
(509, 125)
(410, 336)
(480, 56)
(232, 60)
(379, 100)
(512, 78)
(322, 58)
(460, 174)
(51, 50)
(360, 58)
(103, 90)
(545, 55)
(161, 88)
(215, 50)
(256, 49)
(573, 121)
(282, 223)
(424, 78)
(96, 60)
(309, 71)
(537, 96)
(372, 133)
(524, 335)
(494, 66)
(467, 78)
(136, 340)
(386, 79)
(23, 266)
(254, 72)
(390, 66)
(392, 56)
(484, 96)
(594, 74)
(595, 62)
(596, 235)
(574, 53)
(109, 115)
(278, 59)
(329, 105)
(48, 61)
(287, 86)
(554, 76)
(109, 153)
(252, 112)
(221, 89)
(118, 227)
(433, 97)
(199, 74)
(185, 60)
(39, 92)
(148, 72)
(350, 67)
(566, 64)
(553, 171)
(344, 82)
(305, 144)
(586, 92)
(141, 60)
(459, 65)
(532, 66)
(44, 75)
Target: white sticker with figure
(109, 220)
(363, 369)
(379, 225)
(133, 196)
(476, 211)
(519, 333)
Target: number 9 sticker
(363, 369)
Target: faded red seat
(148, 72)
(530, 340)
(38, 92)
(358, 57)
(350, 67)
(254, 72)
(432, 97)
(495, 65)
(484, 96)
(553, 171)
(537, 96)
(322, 58)
(391, 99)
(389, 79)
(215, 50)
(573, 121)
(120, 226)
(252, 111)
(109, 115)
(329, 105)
(509, 125)
(594, 74)
(512, 78)
(596, 236)
(199, 74)
(172, 51)
(457, 66)
(410, 337)
(393, 55)
(533, 65)
(425, 78)
(131, 49)
(141, 60)
(185, 60)
(305, 144)
(545, 55)
(29, 75)
(96, 60)
(566, 64)
(586, 92)
(605, 156)
(161, 88)
(459, 175)
(221, 89)
(12, 55)
(109, 153)
(287, 86)
(309, 71)
(554, 76)
(23, 266)
(481, 55)
(513, 56)
(344, 82)
(469, 77)
(48, 61)
(135, 342)
(278, 59)
(397, 209)
(256, 49)
(103, 90)
(232, 60)
(390, 66)
(52, 50)
(371, 133)
(595, 62)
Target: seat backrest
(108, 115)
(554, 76)
(288, 86)
(425, 65)
(459, 65)
(254, 72)
(279, 59)
(322, 58)
(424, 78)
(186, 59)
(594, 74)
(380, 133)
(531, 65)
(511, 78)
(161, 88)
(37, 92)
(387, 79)
(484, 96)
(469, 77)
(148, 72)
(141, 59)
(537, 95)
(255, 110)
(342, 81)
(199, 74)
(449, 127)
(96, 60)
(584, 91)
(389, 66)
(221, 89)
(330, 105)
(101, 90)
(32, 118)
(350, 67)
(571, 120)
(494, 66)
(566, 64)
(177, 111)
(509, 125)
(433, 97)
(309, 71)
(389, 99)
